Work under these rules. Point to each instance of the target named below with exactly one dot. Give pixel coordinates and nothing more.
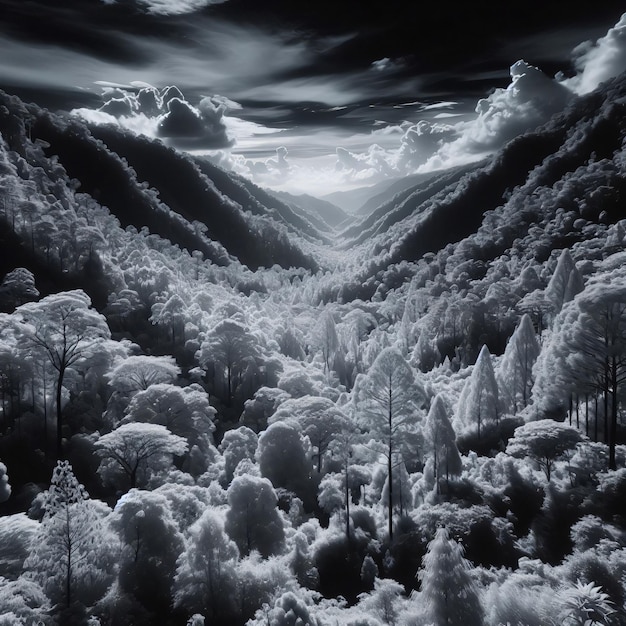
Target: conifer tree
(447, 587)
(388, 401)
(479, 403)
(515, 373)
(70, 549)
(440, 439)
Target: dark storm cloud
(88, 26)
(188, 126)
(429, 40)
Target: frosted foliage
(205, 575)
(288, 610)
(447, 585)
(185, 411)
(71, 555)
(252, 519)
(440, 442)
(282, 457)
(585, 605)
(384, 601)
(139, 372)
(236, 445)
(132, 449)
(151, 543)
(545, 441)
(565, 283)
(22, 602)
(17, 534)
(5, 488)
(479, 404)
(515, 371)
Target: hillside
(243, 416)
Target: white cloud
(600, 61)
(530, 100)
(165, 113)
(172, 7)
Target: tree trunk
(347, 487)
(390, 462)
(59, 398)
(613, 433)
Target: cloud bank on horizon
(313, 105)
(434, 142)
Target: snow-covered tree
(448, 589)
(515, 370)
(545, 441)
(479, 403)
(5, 487)
(132, 449)
(388, 402)
(205, 575)
(150, 544)
(252, 520)
(62, 327)
(440, 443)
(72, 555)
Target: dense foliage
(213, 413)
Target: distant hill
(325, 213)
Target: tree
(63, 327)
(316, 417)
(588, 347)
(72, 552)
(545, 441)
(17, 287)
(133, 448)
(515, 371)
(205, 573)
(252, 520)
(479, 402)
(5, 487)
(185, 411)
(325, 338)
(565, 283)
(137, 373)
(151, 543)
(228, 344)
(440, 438)
(283, 459)
(388, 400)
(171, 315)
(448, 589)
(236, 445)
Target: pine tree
(440, 440)
(515, 373)
(479, 403)
(388, 401)
(70, 550)
(447, 586)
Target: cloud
(166, 114)
(188, 126)
(600, 61)
(421, 140)
(530, 100)
(172, 7)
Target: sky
(313, 97)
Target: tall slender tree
(450, 592)
(388, 402)
(62, 327)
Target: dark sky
(318, 73)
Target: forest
(220, 406)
